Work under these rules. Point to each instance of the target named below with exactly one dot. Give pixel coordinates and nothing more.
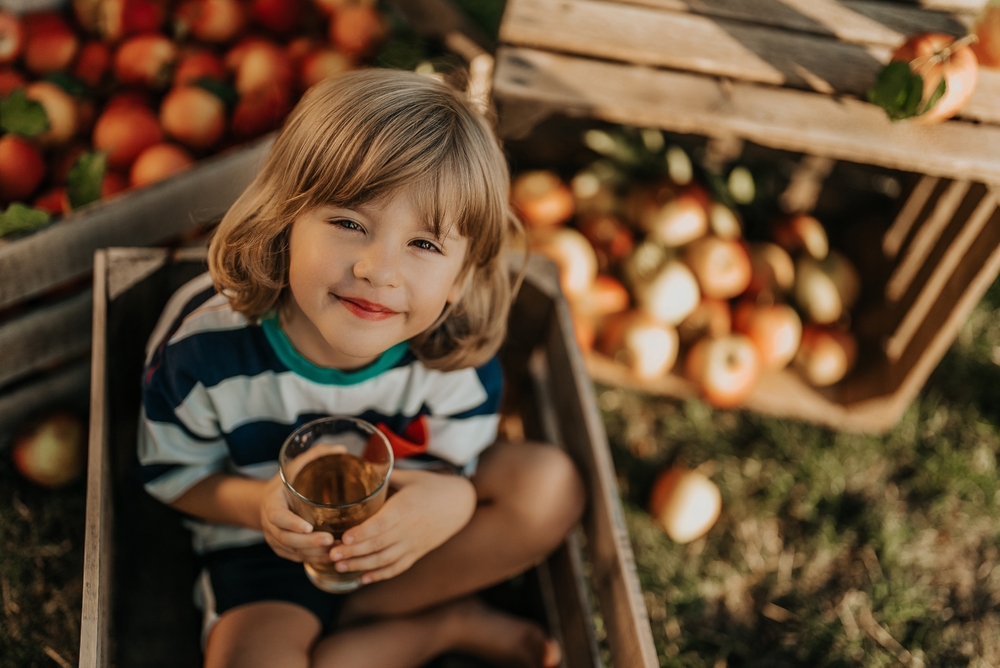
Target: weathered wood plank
(65, 250)
(859, 21)
(715, 46)
(66, 387)
(616, 583)
(45, 337)
(97, 556)
(843, 129)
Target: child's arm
(425, 511)
(256, 504)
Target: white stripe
(166, 443)
(460, 441)
(211, 537)
(197, 413)
(215, 315)
(171, 485)
(173, 309)
(261, 471)
(448, 393)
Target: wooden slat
(65, 387)
(615, 580)
(843, 129)
(94, 623)
(862, 22)
(162, 211)
(924, 239)
(45, 337)
(943, 269)
(893, 238)
(715, 46)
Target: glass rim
(335, 418)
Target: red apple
(934, 57)
(987, 30)
(92, 63)
(541, 198)
(646, 346)
(146, 60)
(825, 355)
(198, 64)
(10, 81)
(357, 29)
(685, 503)
(193, 116)
(113, 19)
(50, 44)
(772, 269)
(60, 109)
(11, 37)
(825, 290)
(52, 452)
(260, 111)
(124, 131)
(726, 369)
(775, 330)
(712, 318)
(608, 235)
(214, 21)
(322, 64)
(158, 162)
(112, 184)
(574, 256)
(21, 168)
(802, 231)
(281, 16)
(679, 220)
(64, 159)
(331, 7)
(300, 47)
(672, 294)
(724, 222)
(54, 201)
(722, 266)
(130, 98)
(584, 331)
(263, 64)
(605, 296)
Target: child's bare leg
(530, 496)
(464, 626)
(265, 634)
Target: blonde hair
(359, 137)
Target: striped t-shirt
(222, 394)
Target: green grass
(833, 549)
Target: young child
(363, 272)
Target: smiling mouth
(366, 310)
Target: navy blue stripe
(150, 472)
(186, 310)
(491, 377)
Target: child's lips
(365, 309)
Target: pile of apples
(660, 278)
(113, 94)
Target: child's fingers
(285, 519)
(390, 571)
(374, 544)
(371, 561)
(376, 525)
(304, 541)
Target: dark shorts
(240, 575)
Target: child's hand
(289, 535)
(426, 510)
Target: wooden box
(788, 76)
(138, 566)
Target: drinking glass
(336, 473)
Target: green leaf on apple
(898, 90)
(83, 185)
(938, 94)
(219, 89)
(21, 218)
(22, 116)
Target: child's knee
(550, 493)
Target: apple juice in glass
(336, 473)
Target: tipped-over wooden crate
(138, 566)
(789, 76)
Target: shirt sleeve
(180, 442)
(465, 413)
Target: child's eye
(423, 244)
(347, 223)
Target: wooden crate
(138, 567)
(788, 76)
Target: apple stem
(945, 53)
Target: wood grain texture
(65, 250)
(94, 628)
(66, 387)
(44, 337)
(843, 129)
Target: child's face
(367, 278)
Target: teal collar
(327, 375)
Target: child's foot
(506, 640)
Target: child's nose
(378, 265)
